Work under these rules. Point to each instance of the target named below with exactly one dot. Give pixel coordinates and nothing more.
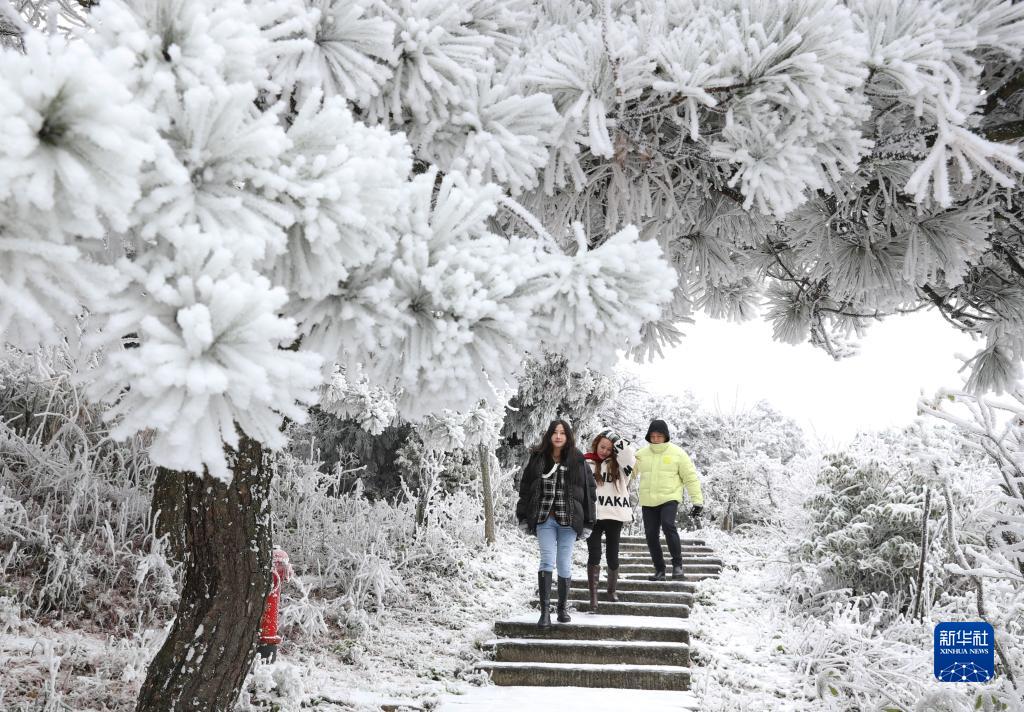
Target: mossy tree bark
(225, 541)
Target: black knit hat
(657, 426)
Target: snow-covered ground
(412, 655)
(568, 699)
(737, 628)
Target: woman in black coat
(557, 498)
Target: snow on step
(635, 584)
(686, 550)
(591, 627)
(625, 568)
(632, 608)
(642, 677)
(681, 597)
(589, 643)
(626, 622)
(642, 584)
(567, 699)
(634, 576)
(642, 540)
(599, 652)
(629, 556)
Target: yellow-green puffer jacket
(664, 470)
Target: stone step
(632, 608)
(645, 555)
(687, 577)
(641, 540)
(607, 628)
(596, 652)
(643, 548)
(646, 561)
(669, 585)
(622, 608)
(642, 584)
(687, 568)
(681, 597)
(633, 677)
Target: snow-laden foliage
(746, 459)
(867, 515)
(334, 45)
(256, 232)
(907, 528)
(74, 139)
(859, 159)
(756, 647)
(989, 550)
(351, 396)
(867, 533)
(208, 357)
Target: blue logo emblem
(964, 652)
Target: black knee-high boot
(563, 600)
(544, 591)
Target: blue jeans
(555, 540)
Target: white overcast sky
(731, 366)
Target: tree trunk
(167, 510)
(227, 557)
(485, 481)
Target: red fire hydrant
(269, 637)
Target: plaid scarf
(555, 497)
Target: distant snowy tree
(551, 388)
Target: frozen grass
(755, 647)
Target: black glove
(697, 510)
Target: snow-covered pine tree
(194, 188)
(551, 388)
(846, 160)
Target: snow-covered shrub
(988, 541)
(352, 553)
(344, 446)
(742, 488)
(866, 533)
(874, 660)
(866, 518)
(75, 526)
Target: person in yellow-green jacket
(665, 469)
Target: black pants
(662, 517)
(611, 529)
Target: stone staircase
(639, 643)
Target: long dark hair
(547, 450)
